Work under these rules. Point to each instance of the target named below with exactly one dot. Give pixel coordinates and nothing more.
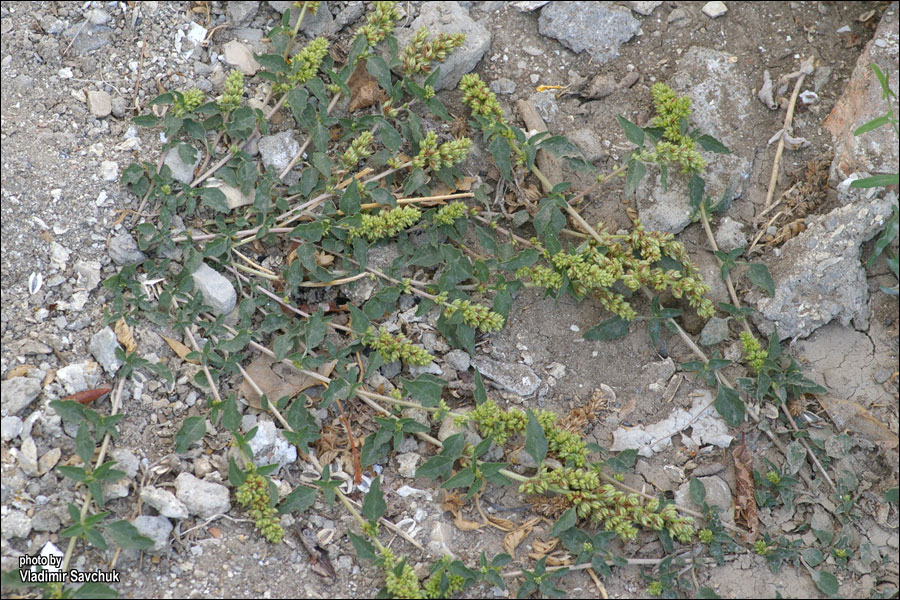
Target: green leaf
(698, 491)
(636, 172)
(892, 495)
(566, 522)
(214, 199)
(759, 274)
(730, 406)
(145, 120)
(610, 329)
(826, 582)
(711, 144)
(364, 548)
(464, 478)
(876, 181)
(374, 505)
(499, 149)
(127, 536)
(379, 69)
(95, 590)
(812, 556)
(873, 124)
(436, 467)
(299, 500)
(272, 62)
(454, 446)
(192, 430)
(634, 133)
(535, 439)
(84, 444)
(426, 389)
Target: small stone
(28, 461)
(241, 13)
(99, 103)
(715, 331)
(217, 291)
(546, 105)
(45, 520)
(109, 170)
(458, 359)
(98, 16)
(601, 87)
(270, 447)
(72, 378)
(240, 55)
(123, 250)
(678, 17)
(503, 86)
(202, 498)
(278, 150)
(589, 143)
(16, 524)
(515, 378)
(182, 171)
(644, 8)
(103, 348)
(730, 235)
(629, 80)
(718, 494)
(49, 460)
(88, 274)
(164, 502)
(714, 9)
(10, 428)
(18, 392)
(155, 528)
(407, 463)
(119, 107)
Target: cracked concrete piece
(818, 276)
(842, 359)
(513, 377)
(719, 96)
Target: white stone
(714, 9)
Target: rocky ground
(73, 75)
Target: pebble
(278, 150)
(218, 293)
(88, 274)
(240, 55)
(644, 8)
(74, 378)
(458, 359)
(407, 463)
(10, 428)
(714, 9)
(513, 377)
(241, 13)
(182, 171)
(119, 107)
(503, 86)
(730, 235)
(270, 447)
(202, 498)
(123, 250)
(678, 17)
(18, 392)
(165, 502)
(16, 524)
(109, 170)
(28, 460)
(155, 528)
(103, 348)
(99, 103)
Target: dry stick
(116, 405)
(805, 68)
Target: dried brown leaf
(180, 349)
(512, 539)
(364, 89)
(88, 396)
(745, 501)
(502, 524)
(125, 336)
(19, 371)
(464, 524)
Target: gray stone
(319, 23)
(594, 27)
(202, 498)
(714, 9)
(18, 392)
(600, 87)
(659, 371)
(818, 276)
(155, 528)
(240, 55)
(45, 520)
(270, 447)
(450, 17)
(28, 460)
(103, 348)
(165, 502)
(91, 37)
(126, 461)
(99, 103)
(241, 13)
(79, 377)
(719, 96)
(407, 463)
(88, 274)
(109, 170)
(278, 150)
(124, 251)
(678, 17)
(349, 14)
(119, 107)
(10, 428)
(545, 104)
(218, 293)
(16, 524)
(503, 86)
(181, 171)
(513, 377)
(730, 235)
(589, 143)
(644, 8)
(458, 359)
(98, 16)
(715, 331)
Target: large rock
(450, 17)
(720, 97)
(874, 151)
(593, 27)
(818, 275)
(19, 392)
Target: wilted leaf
(364, 89)
(512, 539)
(277, 380)
(745, 501)
(464, 524)
(180, 349)
(125, 336)
(19, 371)
(88, 396)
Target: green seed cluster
(404, 584)
(705, 535)
(492, 421)
(455, 583)
(190, 99)
(254, 492)
(480, 99)
(234, 91)
(434, 157)
(359, 150)
(753, 352)
(478, 316)
(312, 7)
(416, 58)
(387, 223)
(379, 24)
(304, 65)
(595, 267)
(655, 588)
(449, 213)
(396, 347)
(672, 111)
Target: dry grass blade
(125, 336)
(512, 539)
(180, 349)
